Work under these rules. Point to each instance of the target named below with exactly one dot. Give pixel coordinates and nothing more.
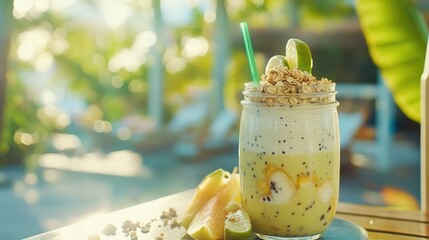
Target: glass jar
(289, 162)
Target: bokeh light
(31, 179)
(210, 16)
(24, 138)
(124, 133)
(62, 141)
(101, 126)
(32, 43)
(117, 82)
(22, 7)
(195, 46)
(137, 86)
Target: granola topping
(281, 86)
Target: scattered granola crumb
(133, 235)
(109, 230)
(160, 236)
(129, 226)
(145, 227)
(170, 218)
(170, 214)
(174, 224)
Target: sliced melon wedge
(205, 190)
(208, 223)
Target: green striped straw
(249, 52)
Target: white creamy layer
(301, 129)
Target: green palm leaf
(396, 35)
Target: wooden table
(381, 223)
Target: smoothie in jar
(289, 153)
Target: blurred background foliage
(396, 33)
(82, 67)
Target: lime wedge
(238, 226)
(276, 61)
(298, 55)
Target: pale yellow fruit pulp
(309, 211)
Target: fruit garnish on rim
(298, 55)
(276, 61)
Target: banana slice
(278, 188)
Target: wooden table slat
(387, 236)
(388, 225)
(349, 208)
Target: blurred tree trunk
(6, 8)
(156, 71)
(222, 48)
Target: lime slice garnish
(298, 55)
(238, 226)
(276, 61)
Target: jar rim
(289, 99)
(270, 95)
(288, 105)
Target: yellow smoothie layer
(289, 195)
